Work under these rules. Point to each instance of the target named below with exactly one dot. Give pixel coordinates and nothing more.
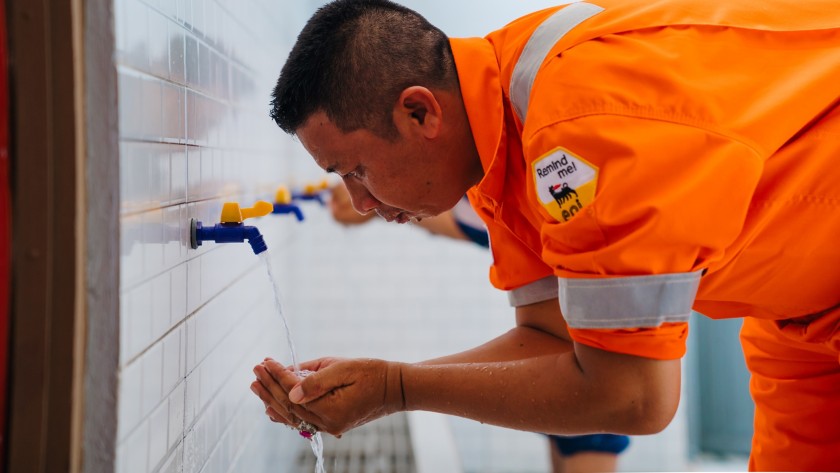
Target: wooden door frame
(64, 336)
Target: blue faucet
(283, 204)
(313, 192)
(231, 229)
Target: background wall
(194, 83)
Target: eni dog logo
(565, 183)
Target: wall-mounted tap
(230, 228)
(313, 192)
(283, 203)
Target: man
(568, 454)
(632, 160)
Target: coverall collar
(481, 91)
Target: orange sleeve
(666, 342)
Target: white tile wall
(194, 79)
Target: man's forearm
(559, 391)
(516, 344)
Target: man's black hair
(353, 59)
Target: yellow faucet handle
(314, 187)
(232, 213)
(283, 195)
(261, 208)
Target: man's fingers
(277, 417)
(319, 364)
(278, 389)
(273, 408)
(322, 381)
(282, 375)
(279, 409)
(279, 406)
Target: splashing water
(316, 442)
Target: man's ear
(418, 111)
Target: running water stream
(316, 442)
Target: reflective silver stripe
(628, 302)
(537, 291)
(539, 44)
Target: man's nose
(363, 201)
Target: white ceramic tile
(209, 27)
(192, 403)
(178, 276)
(191, 60)
(161, 174)
(153, 238)
(151, 108)
(133, 453)
(208, 179)
(168, 8)
(174, 462)
(193, 158)
(173, 112)
(220, 76)
(196, 445)
(180, 10)
(161, 305)
(134, 177)
(177, 47)
(190, 345)
(157, 44)
(158, 432)
(178, 182)
(198, 18)
(152, 362)
(204, 67)
(139, 326)
(193, 284)
(130, 92)
(172, 358)
(134, 23)
(201, 115)
(176, 415)
(174, 220)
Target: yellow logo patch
(565, 183)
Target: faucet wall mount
(231, 229)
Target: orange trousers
(795, 383)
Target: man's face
(401, 180)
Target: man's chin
(403, 216)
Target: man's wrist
(394, 391)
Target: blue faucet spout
(227, 233)
(288, 209)
(317, 197)
(255, 239)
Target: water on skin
(316, 442)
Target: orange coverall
(643, 158)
